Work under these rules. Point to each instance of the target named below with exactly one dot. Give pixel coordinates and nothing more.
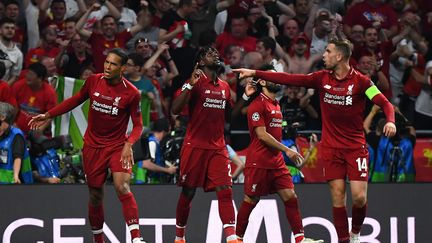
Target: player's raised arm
(186, 89)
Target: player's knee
(122, 188)
(96, 196)
(251, 199)
(359, 200)
(188, 192)
(287, 194)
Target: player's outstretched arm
(305, 80)
(40, 121)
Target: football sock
(130, 214)
(243, 218)
(358, 216)
(182, 214)
(340, 221)
(226, 211)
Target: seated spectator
(34, 96)
(14, 158)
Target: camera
(290, 129)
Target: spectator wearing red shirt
(56, 17)
(380, 50)
(368, 12)
(204, 158)
(237, 36)
(34, 96)
(47, 48)
(102, 43)
(265, 171)
(5, 91)
(113, 101)
(343, 93)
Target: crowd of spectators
(41, 39)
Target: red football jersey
(207, 107)
(109, 111)
(264, 112)
(342, 103)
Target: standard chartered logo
(337, 99)
(214, 103)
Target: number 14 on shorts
(362, 164)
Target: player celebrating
(204, 160)
(112, 101)
(343, 93)
(265, 170)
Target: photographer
(14, 159)
(156, 161)
(393, 160)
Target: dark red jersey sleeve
(73, 101)
(305, 80)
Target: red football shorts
(340, 163)
(206, 168)
(96, 162)
(261, 182)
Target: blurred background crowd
(47, 47)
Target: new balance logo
(363, 174)
(207, 91)
(327, 86)
(96, 94)
(348, 100)
(254, 187)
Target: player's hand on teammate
(39, 121)
(244, 73)
(127, 159)
(295, 157)
(389, 129)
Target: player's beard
(273, 88)
(215, 66)
(328, 67)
